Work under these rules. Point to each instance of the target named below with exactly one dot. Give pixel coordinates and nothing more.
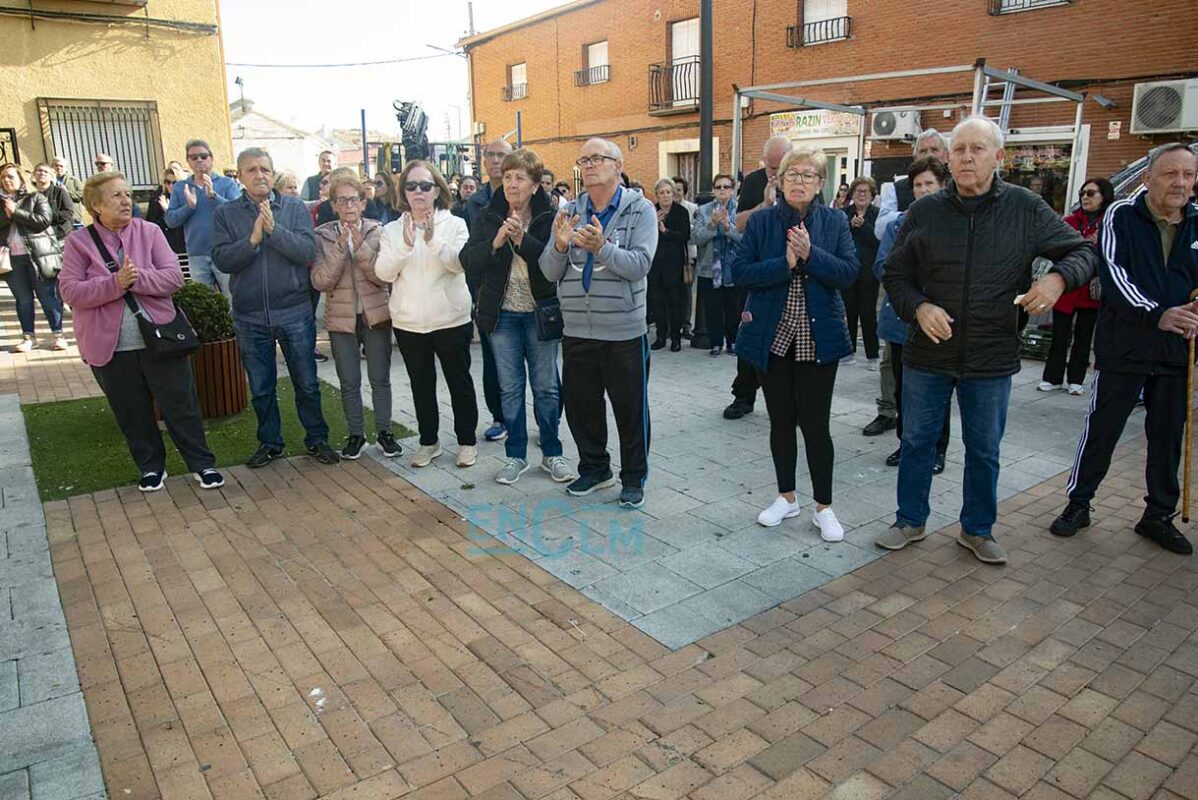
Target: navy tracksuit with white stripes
(1139, 283)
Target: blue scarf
(604, 218)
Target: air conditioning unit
(891, 125)
(478, 128)
(1165, 107)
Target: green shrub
(208, 311)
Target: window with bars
(517, 82)
(127, 130)
(595, 67)
(1013, 6)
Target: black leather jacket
(33, 216)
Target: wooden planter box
(220, 379)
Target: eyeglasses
(494, 154)
(198, 156)
(419, 186)
(723, 186)
(348, 200)
(588, 161)
(1090, 193)
(794, 176)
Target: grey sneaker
(987, 551)
(558, 468)
(898, 536)
(512, 469)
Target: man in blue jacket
(265, 241)
(1149, 244)
(193, 202)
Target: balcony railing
(1014, 6)
(820, 31)
(592, 75)
(517, 91)
(674, 84)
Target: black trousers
(132, 383)
(896, 365)
(1078, 326)
(799, 393)
(669, 297)
(1114, 397)
(590, 368)
(450, 346)
(861, 303)
(744, 385)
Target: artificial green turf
(77, 448)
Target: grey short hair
(777, 138)
(812, 155)
(1164, 149)
(930, 133)
(983, 124)
(197, 143)
(613, 149)
(663, 182)
(254, 152)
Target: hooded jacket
(972, 262)
(428, 290)
(349, 280)
(614, 308)
(489, 269)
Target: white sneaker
(780, 510)
(830, 529)
(425, 454)
(1045, 386)
(467, 455)
(1076, 389)
(24, 346)
(873, 364)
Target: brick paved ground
(310, 631)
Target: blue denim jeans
(515, 344)
(983, 404)
(298, 343)
(25, 283)
(202, 271)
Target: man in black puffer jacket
(962, 259)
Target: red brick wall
(1093, 41)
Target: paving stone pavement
(46, 747)
(694, 560)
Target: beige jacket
(349, 281)
(429, 292)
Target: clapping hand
(127, 274)
(164, 202)
(355, 234)
(798, 245)
(857, 221)
(189, 195)
(719, 217)
(204, 181)
(590, 237)
(267, 216)
(428, 226)
(563, 231)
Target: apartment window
(517, 82)
(1015, 6)
(126, 130)
(594, 65)
(823, 21)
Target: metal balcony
(998, 7)
(674, 84)
(818, 32)
(592, 75)
(517, 91)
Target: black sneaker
(658, 344)
(210, 478)
(263, 456)
(631, 497)
(152, 481)
(737, 410)
(893, 459)
(353, 447)
(320, 357)
(585, 484)
(387, 443)
(675, 346)
(879, 425)
(323, 453)
(938, 466)
(1075, 517)
(1162, 531)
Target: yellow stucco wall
(182, 71)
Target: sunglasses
(168, 183)
(419, 186)
(1090, 193)
(199, 156)
(723, 186)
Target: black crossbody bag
(173, 339)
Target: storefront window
(1043, 168)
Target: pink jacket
(98, 300)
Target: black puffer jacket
(864, 238)
(489, 269)
(973, 265)
(670, 257)
(33, 216)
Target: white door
(684, 58)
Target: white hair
(663, 182)
(613, 150)
(776, 139)
(930, 133)
(983, 124)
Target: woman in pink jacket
(110, 340)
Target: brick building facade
(637, 86)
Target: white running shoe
(780, 510)
(467, 455)
(1045, 386)
(1076, 389)
(830, 529)
(425, 454)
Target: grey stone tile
(37, 602)
(15, 785)
(10, 694)
(838, 558)
(575, 568)
(684, 531)
(662, 501)
(730, 513)
(763, 546)
(786, 579)
(21, 569)
(706, 565)
(43, 676)
(624, 550)
(19, 638)
(729, 604)
(72, 775)
(677, 626)
(42, 731)
(645, 588)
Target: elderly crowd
(559, 292)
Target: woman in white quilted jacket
(430, 307)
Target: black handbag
(548, 317)
(174, 339)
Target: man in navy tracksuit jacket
(1149, 244)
